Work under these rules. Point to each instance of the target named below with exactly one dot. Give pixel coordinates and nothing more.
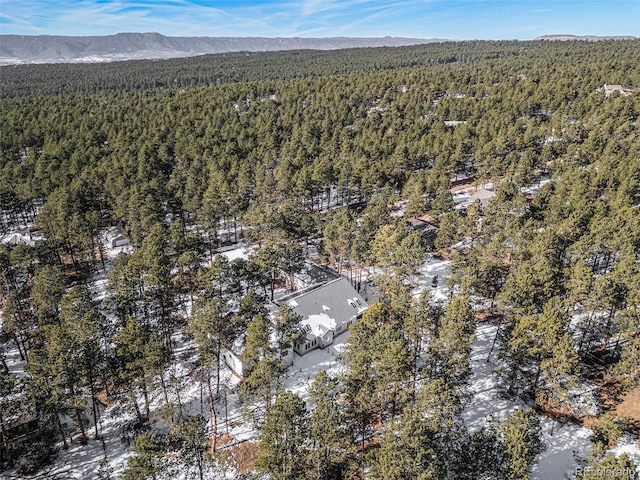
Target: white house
(114, 237)
(609, 89)
(18, 238)
(326, 311)
(233, 355)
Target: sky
(451, 19)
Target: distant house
(426, 229)
(114, 237)
(326, 311)
(610, 89)
(483, 196)
(232, 356)
(23, 237)
(454, 123)
(17, 239)
(456, 182)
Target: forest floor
(564, 441)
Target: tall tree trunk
(495, 339)
(94, 409)
(607, 330)
(201, 398)
(61, 429)
(584, 332)
(145, 394)
(180, 411)
(134, 400)
(81, 424)
(214, 417)
(218, 370)
(226, 412)
(235, 229)
(273, 282)
(166, 395)
(3, 434)
(5, 367)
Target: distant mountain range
(587, 38)
(18, 49)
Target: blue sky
(455, 19)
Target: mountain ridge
(587, 38)
(24, 49)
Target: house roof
(17, 238)
(483, 196)
(422, 225)
(332, 304)
(113, 233)
(609, 89)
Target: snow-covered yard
(564, 441)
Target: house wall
(287, 358)
(327, 339)
(233, 362)
(119, 242)
(307, 346)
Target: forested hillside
(294, 152)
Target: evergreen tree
(283, 438)
(327, 431)
(147, 461)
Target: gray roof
(113, 232)
(422, 225)
(332, 304)
(483, 195)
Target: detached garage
(114, 237)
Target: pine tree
(147, 461)
(283, 438)
(193, 459)
(521, 434)
(541, 348)
(451, 345)
(327, 430)
(287, 328)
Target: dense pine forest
(320, 157)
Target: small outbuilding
(114, 237)
(425, 228)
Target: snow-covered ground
(235, 253)
(563, 441)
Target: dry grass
(609, 393)
(486, 315)
(242, 457)
(589, 421)
(223, 440)
(612, 397)
(560, 412)
(629, 409)
(630, 405)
